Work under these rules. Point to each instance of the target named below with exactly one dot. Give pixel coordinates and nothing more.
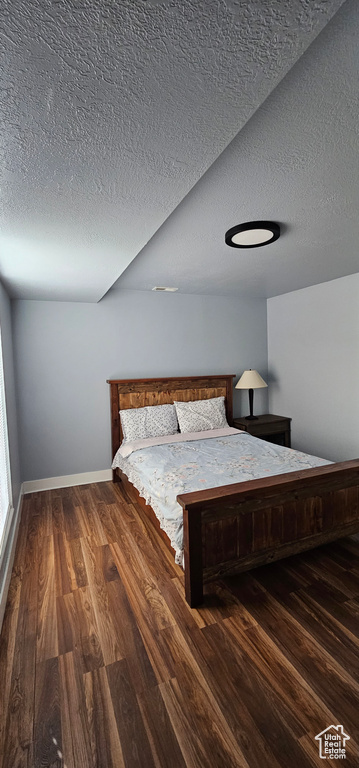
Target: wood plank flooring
(103, 664)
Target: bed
(233, 528)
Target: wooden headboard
(136, 393)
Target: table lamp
(250, 380)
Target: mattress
(162, 468)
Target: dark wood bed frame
(237, 527)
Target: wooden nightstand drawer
(268, 426)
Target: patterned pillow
(151, 421)
(199, 415)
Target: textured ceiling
(110, 114)
(295, 162)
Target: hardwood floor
(102, 662)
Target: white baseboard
(65, 481)
(7, 559)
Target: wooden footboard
(237, 527)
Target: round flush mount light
(252, 234)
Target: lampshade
(250, 380)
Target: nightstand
(275, 429)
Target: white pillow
(150, 421)
(198, 415)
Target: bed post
(115, 424)
(193, 569)
(229, 399)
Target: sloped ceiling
(295, 162)
(112, 112)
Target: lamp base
(250, 418)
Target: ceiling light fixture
(252, 234)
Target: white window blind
(5, 480)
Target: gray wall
(7, 346)
(313, 360)
(66, 351)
